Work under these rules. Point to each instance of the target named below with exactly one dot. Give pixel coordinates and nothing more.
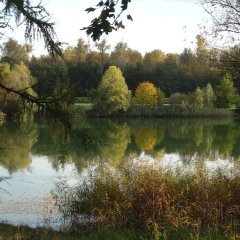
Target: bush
(201, 99)
(177, 98)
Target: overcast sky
(169, 25)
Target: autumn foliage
(146, 94)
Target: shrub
(177, 98)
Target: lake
(36, 156)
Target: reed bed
(163, 205)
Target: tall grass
(164, 205)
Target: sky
(168, 25)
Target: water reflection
(16, 142)
(36, 155)
(117, 141)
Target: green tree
(135, 57)
(201, 50)
(52, 75)
(77, 54)
(19, 79)
(226, 92)
(113, 93)
(176, 98)
(15, 53)
(81, 50)
(103, 47)
(120, 55)
(160, 97)
(187, 57)
(198, 99)
(152, 59)
(209, 96)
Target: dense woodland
(83, 66)
(80, 70)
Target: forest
(205, 77)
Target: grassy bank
(164, 111)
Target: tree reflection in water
(118, 141)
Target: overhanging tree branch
(37, 20)
(55, 110)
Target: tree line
(79, 72)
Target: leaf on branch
(129, 17)
(100, 4)
(88, 10)
(109, 18)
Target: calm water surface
(35, 156)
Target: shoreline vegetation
(167, 111)
(10, 232)
(152, 203)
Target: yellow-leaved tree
(146, 94)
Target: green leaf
(88, 10)
(100, 4)
(129, 17)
